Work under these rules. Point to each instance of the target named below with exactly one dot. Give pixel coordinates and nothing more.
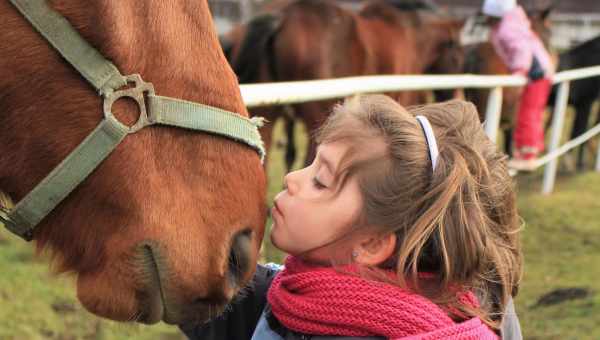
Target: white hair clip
(430, 138)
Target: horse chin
(151, 306)
(140, 289)
(148, 304)
(151, 298)
(154, 309)
(197, 315)
(101, 296)
(157, 302)
(124, 291)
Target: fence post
(558, 119)
(492, 113)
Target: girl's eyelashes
(318, 184)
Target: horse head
(169, 225)
(449, 55)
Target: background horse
(483, 59)
(248, 49)
(583, 92)
(163, 229)
(316, 39)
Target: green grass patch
(561, 245)
(38, 305)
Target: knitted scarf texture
(324, 301)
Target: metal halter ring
(137, 93)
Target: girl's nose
(290, 183)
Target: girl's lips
(275, 209)
(274, 213)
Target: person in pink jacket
(524, 54)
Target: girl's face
(309, 214)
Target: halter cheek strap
(430, 138)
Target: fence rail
(281, 93)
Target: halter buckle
(137, 93)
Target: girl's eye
(318, 184)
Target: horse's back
(316, 40)
(584, 55)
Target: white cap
(497, 8)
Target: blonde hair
(458, 221)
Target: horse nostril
(239, 256)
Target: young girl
(403, 227)
(523, 53)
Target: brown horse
(317, 39)
(168, 227)
(483, 59)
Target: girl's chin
(274, 235)
(278, 242)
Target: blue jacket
(250, 318)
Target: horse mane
(414, 5)
(417, 12)
(257, 40)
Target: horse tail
(256, 48)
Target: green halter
(107, 80)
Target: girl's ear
(375, 250)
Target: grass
(560, 242)
(562, 250)
(36, 305)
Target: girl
(523, 53)
(403, 227)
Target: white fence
(304, 91)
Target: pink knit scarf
(322, 301)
